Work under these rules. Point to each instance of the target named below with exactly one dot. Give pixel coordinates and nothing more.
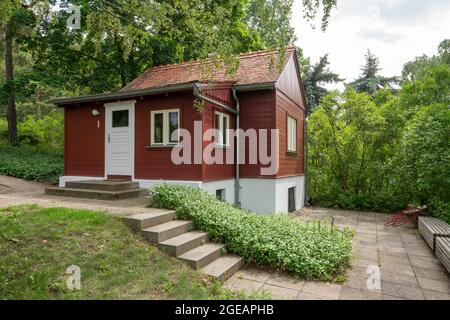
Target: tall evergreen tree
(370, 80)
(314, 77)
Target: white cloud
(395, 30)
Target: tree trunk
(11, 115)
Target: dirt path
(18, 192)
(14, 185)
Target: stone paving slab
(409, 269)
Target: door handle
(109, 138)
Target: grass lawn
(37, 245)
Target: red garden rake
(401, 217)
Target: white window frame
(166, 126)
(291, 134)
(219, 131)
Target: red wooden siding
(84, 148)
(289, 83)
(264, 109)
(257, 112)
(155, 162)
(217, 171)
(289, 164)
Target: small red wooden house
(130, 134)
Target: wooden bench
(443, 252)
(437, 234)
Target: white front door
(119, 138)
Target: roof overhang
(255, 86)
(122, 94)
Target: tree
(413, 70)
(16, 17)
(432, 86)
(118, 40)
(370, 81)
(314, 77)
(425, 158)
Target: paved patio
(409, 269)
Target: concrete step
(183, 243)
(106, 185)
(223, 267)
(167, 230)
(141, 221)
(201, 256)
(96, 194)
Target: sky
(394, 30)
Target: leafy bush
(3, 129)
(31, 163)
(312, 250)
(379, 202)
(47, 131)
(440, 209)
(383, 152)
(425, 158)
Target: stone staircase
(177, 238)
(99, 189)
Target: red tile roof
(254, 67)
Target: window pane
(291, 199)
(120, 118)
(224, 132)
(217, 126)
(158, 128)
(220, 194)
(173, 125)
(292, 134)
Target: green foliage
(314, 250)
(388, 149)
(47, 132)
(415, 69)
(425, 156)
(37, 245)
(31, 163)
(370, 81)
(350, 143)
(314, 76)
(432, 87)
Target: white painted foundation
(258, 195)
(271, 195)
(64, 179)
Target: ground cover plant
(311, 250)
(37, 245)
(31, 163)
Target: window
(120, 118)
(220, 194)
(163, 125)
(291, 199)
(291, 135)
(222, 125)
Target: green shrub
(47, 131)
(378, 202)
(312, 250)
(31, 163)
(440, 209)
(3, 129)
